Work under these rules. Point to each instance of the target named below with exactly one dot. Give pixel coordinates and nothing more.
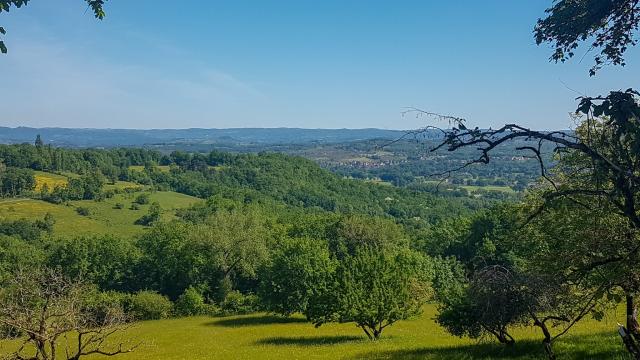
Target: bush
(84, 211)
(134, 206)
(118, 206)
(237, 303)
(190, 303)
(152, 217)
(142, 199)
(101, 304)
(149, 305)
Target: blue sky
(298, 63)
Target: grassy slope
(268, 337)
(103, 219)
(52, 180)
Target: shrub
(152, 217)
(190, 303)
(134, 206)
(118, 206)
(149, 305)
(101, 304)
(142, 199)
(84, 211)
(237, 303)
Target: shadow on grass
(253, 320)
(309, 341)
(573, 347)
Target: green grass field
(104, 217)
(263, 336)
(472, 188)
(163, 168)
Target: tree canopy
(610, 26)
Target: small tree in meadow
(376, 288)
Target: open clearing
(50, 179)
(104, 218)
(264, 336)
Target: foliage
(142, 199)
(609, 23)
(26, 229)
(377, 288)
(106, 261)
(237, 303)
(490, 303)
(16, 181)
(149, 305)
(17, 254)
(153, 216)
(84, 211)
(299, 276)
(53, 313)
(190, 303)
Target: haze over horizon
(292, 64)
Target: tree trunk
(546, 342)
(366, 332)
(505, 338)
(631, 334)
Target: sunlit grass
(50, 179)
(104, 218)
(163, 168)
(264, 336)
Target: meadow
(51, 180)
(104, 217)
(264, 336)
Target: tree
(610, 23)
(598, 163)
(16, 181)
(152, 217)
(374, 289)
(234, 244)
(216, 256)
(299, 277)
(106, 261)
(489, 304)
(5, 5)
(38, 143)
(353, 232)
(51, 312)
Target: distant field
(104, 218)
(472, 188)
(163, 168)
(123, 185)
(50, 179)
(268, 337)
(379, 182)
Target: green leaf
(3, 49)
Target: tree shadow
(476, 351)
(253, 320)
(581, 348)
(309, 341)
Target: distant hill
(240, 136)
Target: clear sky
(298, 63)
